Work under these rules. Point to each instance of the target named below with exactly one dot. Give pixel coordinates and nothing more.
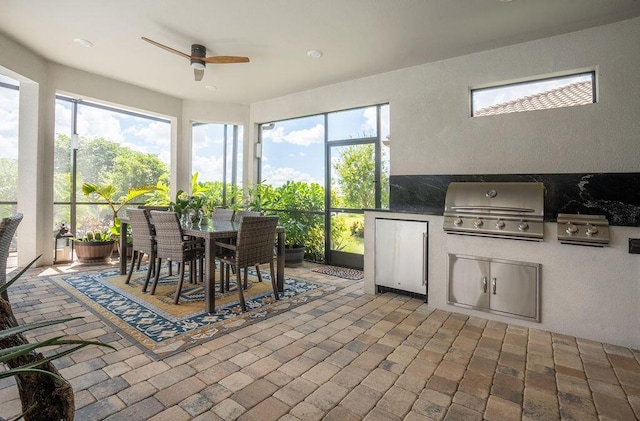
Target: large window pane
(217, 159)
(293, 150)
(352, 124)
(115, 147)
(9, 106)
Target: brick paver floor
(347, 356)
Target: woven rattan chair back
(142, 230)
(8, 228)
(222, 214)
(171, 245)
(256, 236)
(242, 213)
(169, 237)
(153, 207)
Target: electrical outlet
(634, 245)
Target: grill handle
(492, 208)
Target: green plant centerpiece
(95, 246)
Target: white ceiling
(358, 37)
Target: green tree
(133, 168)
(356, 168)
(356, 171)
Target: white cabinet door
(401, 254)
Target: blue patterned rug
(152, 324)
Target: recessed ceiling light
(314, 53)
(82, 42)
(211, 87)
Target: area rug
(345, 273)
(163, 328)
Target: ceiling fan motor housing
(198, 50)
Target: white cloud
(209, 168)
(278, 176)
(303, 137)
(94, 122)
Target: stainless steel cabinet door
(514, 289)
(469, 281)
(401, 255)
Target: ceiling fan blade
(157, 44)
(198, 73)
(225, 59)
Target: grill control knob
(523, 226)
(499, 224)
(592, 230)
(478, 223)
(571, 229)
(457, 222)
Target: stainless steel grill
(503, 210)
(584, 230)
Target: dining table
(210, 233)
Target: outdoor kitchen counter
(577, 297)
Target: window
(325, 170)
(217, 159)
(115, 146)
(9, 106)
(540, 94)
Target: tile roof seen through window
(579, 93)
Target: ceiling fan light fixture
(197, 64)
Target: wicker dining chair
(253, 247)
(174, 246)
(242, 213)
(8, 228)
(222, 214)
(144, 242)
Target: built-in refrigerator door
(401, 254)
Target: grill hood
(504, 210)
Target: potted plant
(94, 246)
(108, 193)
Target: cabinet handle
(484, 284)
(493, 285)
(425, 258)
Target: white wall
(429, 108)
(588, 292)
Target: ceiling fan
(199, 57)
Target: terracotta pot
(94, 251)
